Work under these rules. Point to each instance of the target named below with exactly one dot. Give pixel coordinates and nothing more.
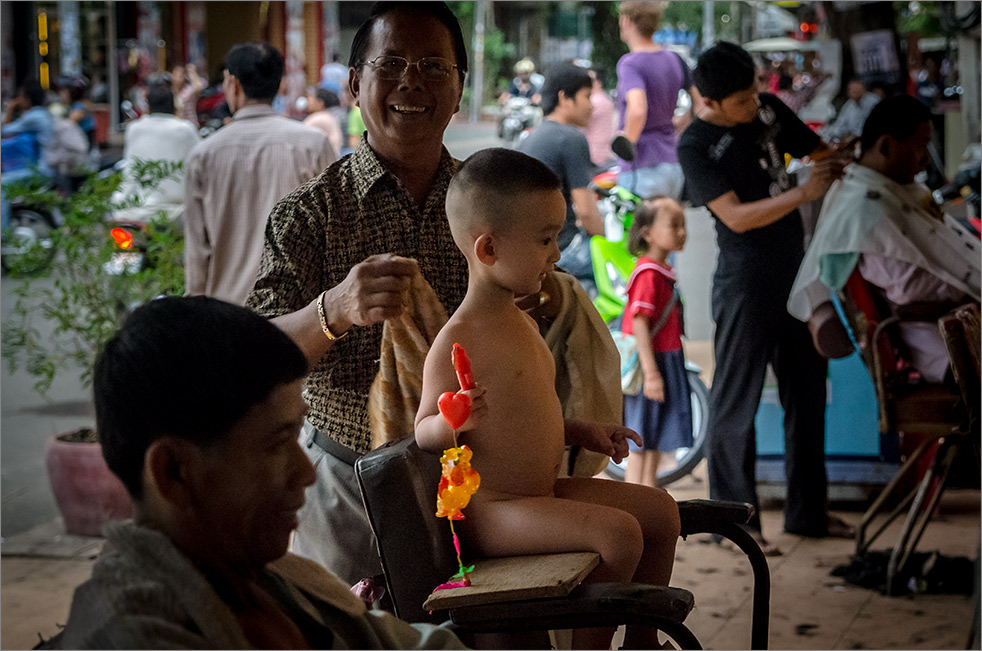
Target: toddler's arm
(439, 376)
(605, 438)
(432, 431)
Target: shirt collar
(371, 170)
(253, 111)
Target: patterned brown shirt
(316, 234)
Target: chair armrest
(593, 604)
(703, 516)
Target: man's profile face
(910, 157)
(740, 107)
(409, 110)
(252, 481)
(856, 90)
(581, 108)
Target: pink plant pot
(87, 493)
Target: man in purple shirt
(649, 79)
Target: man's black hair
(32, 90)
(897, 116)
(724, 69)
(160, 99)
(566, 77)
(328, 97)
(785, 82)
(438, 10)
(601, 75)
(259, 68)
(189, 367)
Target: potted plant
(84, 292)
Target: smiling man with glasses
(337, 261)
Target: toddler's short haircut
(490, 178)
(724, 69)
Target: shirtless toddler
(505, 211)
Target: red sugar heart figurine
(455, 407)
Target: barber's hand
(823, 173)
(375, 290)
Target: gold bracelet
(323, 317)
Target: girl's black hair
(644, 216)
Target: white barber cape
(866, 212)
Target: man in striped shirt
(235, 177)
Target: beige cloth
(393, 399)
(588, 368)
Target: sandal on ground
(769, 548)
(839, 528)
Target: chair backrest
(398, 484)
(961, 331)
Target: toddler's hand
(479, 408)
(618, 439)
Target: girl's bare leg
(656, 513)
(635, 467)
(649, 473)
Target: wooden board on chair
(516, 578)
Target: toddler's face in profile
(526, 248)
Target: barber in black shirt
(733, 159)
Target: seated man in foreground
(198, 409)
(878, 220)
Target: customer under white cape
(877, 219)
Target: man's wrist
(331, 329)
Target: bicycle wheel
(674, 467)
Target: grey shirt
(145, 594)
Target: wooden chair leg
(929, 493)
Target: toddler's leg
(658, 516)
(547, 525)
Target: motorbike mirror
(623, 147)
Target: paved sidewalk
(809, 608)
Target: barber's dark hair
(189, 367)
(31, 88)
(644, 217)
(724, 69)
(897, 116)
(160, 99)
(566, 77)
(329, 97)
(258, 66)
(438, 10)
(785, 82)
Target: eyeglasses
(430, 68)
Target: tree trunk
(847, 19)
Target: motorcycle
(612, 266)
(28, 246)
(518, 115)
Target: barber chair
(398, 482)
(928, 414)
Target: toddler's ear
(484, 249)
